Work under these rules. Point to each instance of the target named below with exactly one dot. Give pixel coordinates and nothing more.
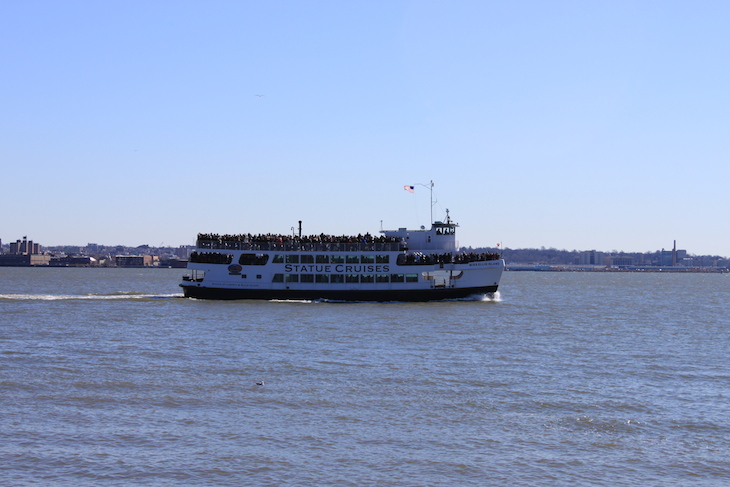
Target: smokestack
(674, 254)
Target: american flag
(408, 188)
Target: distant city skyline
(558, 124)
(94, 247)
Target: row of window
(330, 259)
(345, 278)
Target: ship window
(337, 278)
(367, 278)
(278, 278)
(211, 257)
(382, 259)
(321, 278)
(258, 276)
(292, 278)
(337, 259)
(381, 278)
(352, 278)
(243, 276)
(292, 259)
(397, 277)
(323, 259)
(253, 259)
(411, 277)
(367, 259)
(353, 259)
(278, 259)
(307, 278)
(307, 259)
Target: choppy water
(108, 377)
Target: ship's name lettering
(338, 269)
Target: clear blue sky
(568, 124)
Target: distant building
(622, 261)
(184, 251)
(24, 253)
(590, 257)
(22, 260)
(134, 260)
(671, 258)
(24, 247)
(73, 261)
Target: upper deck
(295, 245)
(440, 237)
(299, 243)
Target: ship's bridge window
(337, 259)
(382, 259)
(306, 259)
(292, 258)
(367, 259)
(322, 259)
(253, 259)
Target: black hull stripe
(335, 295)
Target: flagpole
(430, 187)
(431, 222)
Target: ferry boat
(399, 265)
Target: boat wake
(487, 298)
(87, 297)
(494, 297)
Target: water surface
(109, 376)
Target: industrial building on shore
(26, 253)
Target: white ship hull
(402, 265)
(348, 282)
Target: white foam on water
(86, 297)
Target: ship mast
(430, 187)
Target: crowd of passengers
(412, 258)
(419, 258)
(270, 238)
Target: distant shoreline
(670, 270)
